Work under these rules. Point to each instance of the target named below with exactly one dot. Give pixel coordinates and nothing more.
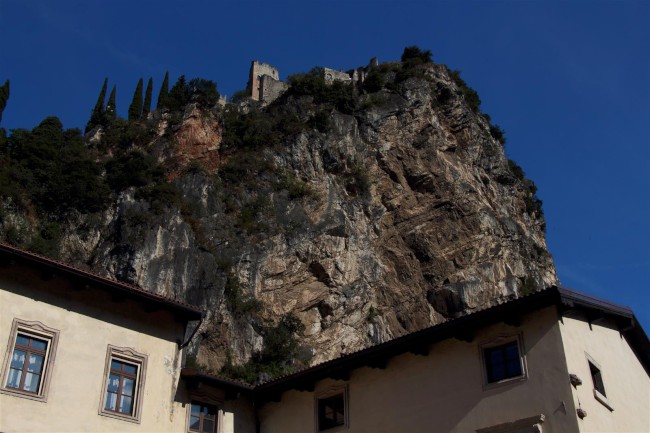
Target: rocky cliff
(364, 221)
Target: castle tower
(258, 70)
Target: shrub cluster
(279, 355)
(237, 303)
(471, 97)
(413, 55)
(532, 202)
(339, 94)
(51, 169)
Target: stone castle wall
(271, 89)
(334, 75)
(259, 70)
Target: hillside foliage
(50, 173)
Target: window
(203, 418)
(331, 409)
(597, 380)
(28, 360)
(123, 384)
(502, 360)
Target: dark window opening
(502, 362)
(597, 379)
(331, 412)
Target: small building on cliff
(87, 353)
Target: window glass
(597, 379)
(123, 384)
(31, 382)
(18, 359)
(38, 344)
(331, 411)
(111, 401)
(13, 380)
(208, 425)
(195, 423)
(203, 418)
(26, 366)
(502, 362)
(127, 386)
(113, 383)
(120, 387)
(126, 405)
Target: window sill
(24, 394)
(128, 418)
(603, 400)
(334, 429)
(504, 382)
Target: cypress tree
(147, 98)
(110, 106)
(179, 95)
(164, 92)
(97, 114)
(4, 97)
(135, 109)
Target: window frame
(599, 395)
(498, 341)
(37, 330)
(328, 393)
(129, 356)
(218, 417)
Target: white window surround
(37, 330)
(128, 355)
(499, 340)
(602, 399)
(330, 392)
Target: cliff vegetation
(341, 215)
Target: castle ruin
(264, 84)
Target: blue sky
(569, 81)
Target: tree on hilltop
(4, 97)
(97, 115)
(111, 113)
(203, 92)
(413, 55)
(179, 95)
(147, 98)
(164, 92)
(135, 109)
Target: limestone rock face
(196, 140)
(413, 217)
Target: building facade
(553, 361)
(86, 353)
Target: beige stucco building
(553, 361)
(85, 353)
